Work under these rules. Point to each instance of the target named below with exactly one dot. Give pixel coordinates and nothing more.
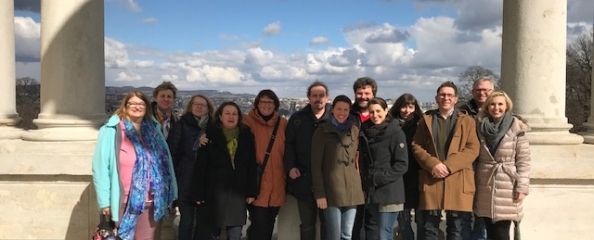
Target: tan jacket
(456, 191)
(272, 187)
(499, 176)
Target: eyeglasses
(137, 104)
(200, 105)
(446, 95)
(482, 90)
(266, 102)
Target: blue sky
(284, 45)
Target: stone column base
(588, 135)
(554, 138)
(10, 132)
(60, 127)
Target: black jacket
(385, 156)
(298, 137)
(470, 107)
(224, 188)
(182, 141)
(411, 177)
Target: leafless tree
(27, 101)
(471, 74)
(579, 80)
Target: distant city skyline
(245, 46)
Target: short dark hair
(270, 94)
(219, 112)
(166, 85)
(365, 81)
(317, 83)
(403, 100)
(380, 101)
(448, 84)
(341, 98)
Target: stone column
(589, 135)
(72, 71)
(533, 67)
(8, 115)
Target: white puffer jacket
(499, 176)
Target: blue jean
(479, 231)
(458, 225)
(405, 226)
(339, 222)
(385, 224)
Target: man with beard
(297, 159)
(365, 88)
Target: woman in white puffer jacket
(503, 168)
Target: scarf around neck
(376, 130)
(494, 131)
(231, 137)
(150, 173)
(340, 126)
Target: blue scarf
(151, 164)
(340, 126)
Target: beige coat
(456, 191)
(499, 176)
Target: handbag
(106, 229)
(260, 168)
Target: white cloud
(143, 64)
(272, 29)
(131, 5)
(149, 20)
(27, 35)
(169, 77)
(258, 56)
(116, 55)
(128, 77)
(319, 41)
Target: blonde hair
(209, 104)
(484, 112)
(122, 110)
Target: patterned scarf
(165, 119)
(151, 165)
(231, 137)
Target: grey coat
(499, 177)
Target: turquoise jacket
(106, 177)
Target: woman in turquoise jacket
(133, 171)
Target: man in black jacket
(365, 88)
(297, 157)
(481, 88)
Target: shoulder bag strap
(270, 143)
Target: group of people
(358, 167)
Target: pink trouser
(146, 227)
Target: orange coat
(456, 191)
(272, 188)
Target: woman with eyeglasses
(133, 172)
(263, 120)
(225, 173)
(184, 141)
(503, 167)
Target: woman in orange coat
(262, 120)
